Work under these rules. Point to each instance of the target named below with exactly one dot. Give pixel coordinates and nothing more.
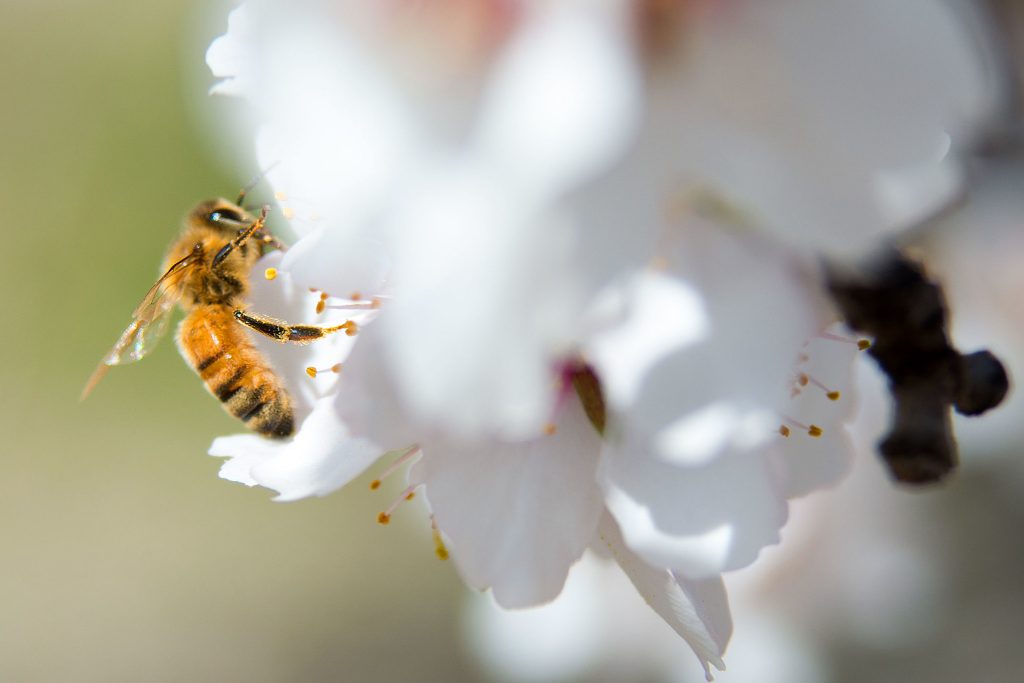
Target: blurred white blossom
(592, 229)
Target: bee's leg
(242, 238)
(283, 332)
(269, 240)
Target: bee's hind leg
(283, 332)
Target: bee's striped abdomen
(235, 372)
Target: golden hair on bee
(206, 272)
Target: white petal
(517, 515)
(698, 610)
(368, 401)
(228, 55)
(483, 300)
(664, 314)
(320, 459)
(699, 520)
(338, 262)
(562, 101)
(243, 451)
(337, 133)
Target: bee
(206, 271)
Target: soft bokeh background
(125, 558)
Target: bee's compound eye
(224, 215)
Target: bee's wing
(149, 322)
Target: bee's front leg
(242, 238)
(269, 240)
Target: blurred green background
(122, 555)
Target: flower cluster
(580, 242)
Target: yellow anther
(833, 395)
(270, 273)
(784, 430)
(814, 430)
(375, 303)
(320, 305)
(375, 484)
(313, 372)
(410, 495)
(550, 428)
(439, 548)
(803, 379)
(350, 328)
(355, 296)
(288, 212)
(863, 344)
(383, 518)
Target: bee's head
(222, 215)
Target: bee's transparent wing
(149, 322)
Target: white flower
(696, 472)
(516, 515)
(558, 191)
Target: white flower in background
(634, 192)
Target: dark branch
(895, 303)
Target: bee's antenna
(252, 183)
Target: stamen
(812, 430)
(862, 344)
(439, 547)
(361, 306)
(320, 305)
(408, 494)
(313, 372)
(357, 303)
(270, 273)
(410, 453)
(795, 423)
(832, 394)
(350, 328)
